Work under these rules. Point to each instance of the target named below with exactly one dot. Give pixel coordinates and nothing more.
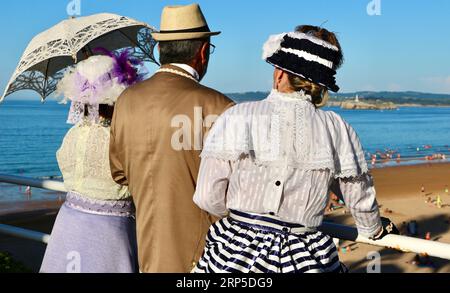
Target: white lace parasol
(49, 53)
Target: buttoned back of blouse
(282, 156)
(84, 162)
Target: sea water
(31, 133)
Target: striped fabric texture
(266, 246)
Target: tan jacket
(171, 229)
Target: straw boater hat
(183, 23)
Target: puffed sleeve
(66, 157)
(359, 195)
(352, 180)
(212, 186)
(349, 155)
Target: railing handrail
(402, 243)
(37, 183)
(398, 242)
(24, 233)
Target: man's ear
(204, 52)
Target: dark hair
(183, 51)
(106, 111)
(318, 93)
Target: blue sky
(407, 47)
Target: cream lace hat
(183, 23)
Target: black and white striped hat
(304, 55)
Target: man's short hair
(183, 51)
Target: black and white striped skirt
(250, 243)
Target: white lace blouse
(84, 162)
(282, 156)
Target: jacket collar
(293, 97)
(189, 69)
(177, 68)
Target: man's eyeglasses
(212, 49)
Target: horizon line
(246, 92)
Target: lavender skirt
(92, 236)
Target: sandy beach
(399, 194)
(402, 200)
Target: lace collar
(292, 97)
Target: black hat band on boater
(190, 30)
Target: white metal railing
(398, 242)
(402, 243)
(24, 233)
(37, 183)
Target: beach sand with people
(400, 195)
(399, 192)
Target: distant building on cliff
(357, 104)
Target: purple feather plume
(126, 67)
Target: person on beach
(156, 139)
(334, 203)
(95, 229)
(267, 168)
